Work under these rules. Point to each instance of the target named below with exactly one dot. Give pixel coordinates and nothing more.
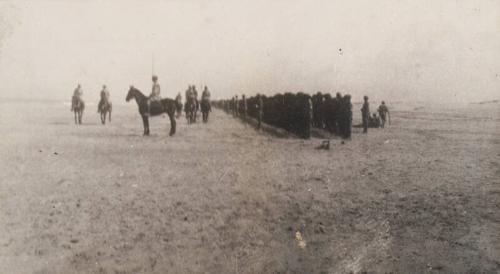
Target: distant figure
(77, 104)
(206, 106)
(244, 106)
(178, 102)
(195, 93)
(374, 121)
(104, 98)
(344, 118)
(236, 106)
(205, 95)
(337, 105)
(190, 105)
(77, 96)
(308, 117)
(155, 94)
(365, 114)
(260, 109)
(104, 107)
(383, 112)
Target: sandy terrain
(422, 196)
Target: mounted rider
(155, 94)
(104, 98)
(205, 97)
(206, 94)
(77, 96)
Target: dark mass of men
(298, 113)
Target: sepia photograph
(249, 136)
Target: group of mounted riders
(78, 105)
(149, 106)
(192, 104)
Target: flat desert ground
(421, 196)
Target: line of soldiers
(333, 114)
(300, 112)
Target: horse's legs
(76, 118)
(110, 115)
(80, 114)
(171, 115)
(145, 122)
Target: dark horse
(205, 109)
(166, 105)
(105, 107)
(77, 106)
(190, 109)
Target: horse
(165, 105)
(190, 109)
(77, 106)
(205, 109)
(105, 107)
(197, 108)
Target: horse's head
(130, 94)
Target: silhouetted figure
(383, 112)
(365, 114)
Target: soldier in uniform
(244, 106)
(383, 112)
(178, 102)
(104, 98)
(77, 95)
(236, 106)
(155, 93)
(260, 109)
(345, 119)
(308, 117)
(365, 114)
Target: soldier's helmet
(103, 86)
(155, 78)
(383, 103)
(365, 97)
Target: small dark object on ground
(324, 145)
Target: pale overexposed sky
(423, 50)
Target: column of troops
(296, 113)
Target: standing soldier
(155, 94)
(236, 106)
(260, 109)
(383, 112)
(365, 114)
(178, 102)
(348, 122)
(245, 107)
(308, 117)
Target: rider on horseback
(104, 98)
(206, 94)
(77, 96)
(205, 97)
(155, 94)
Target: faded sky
(392, 49)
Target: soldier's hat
(383, 103)
(155, 77)
(365, 97)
